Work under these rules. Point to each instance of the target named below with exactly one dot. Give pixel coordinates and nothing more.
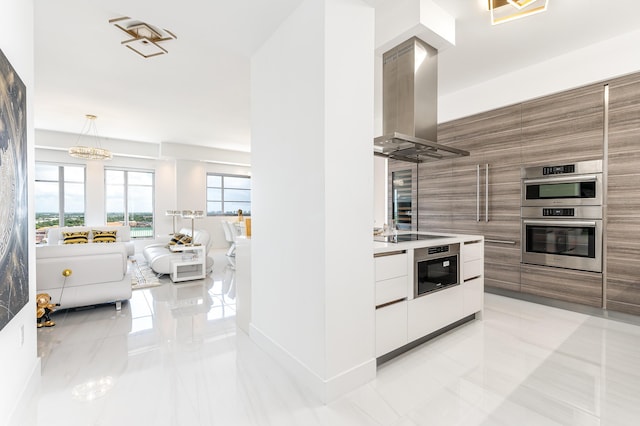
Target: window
(129, 200)
(226, 194)
(59, 196)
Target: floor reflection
(172, 357)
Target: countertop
(445, 238)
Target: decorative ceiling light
(507, 10)
(145, 38)
(87, 152)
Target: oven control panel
(558, 170)
(559, 212)
(439, 249)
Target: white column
(312, 170)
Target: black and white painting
(14, 249)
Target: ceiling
(199, 93)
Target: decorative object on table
(44, 307)
(240, 217)
(192, 214)
(90, 131)
(14, 219)
(174, 214)
(247, 227)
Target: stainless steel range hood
(410, 105)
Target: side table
(192, 265)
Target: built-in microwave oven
(436, 268)
(570, 184)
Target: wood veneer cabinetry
(568, 285)
(479, 194)
(567, 126)
(461, 196)
(623, 198)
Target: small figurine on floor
(45, 307)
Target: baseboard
(326, 390)
(569, 306)
(26, 411)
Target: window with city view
(59, 197)
(129, 200)
(226, 194)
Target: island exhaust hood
(410, 105)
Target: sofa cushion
(104, 236)
(81, 237)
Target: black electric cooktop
(402, 238)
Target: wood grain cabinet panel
(562, 284)
(623, 198)
(492, 138)
(564, 126)
(623, 295)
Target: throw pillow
(104, 236)
(81, 237)
(175, 239)
(185, 240)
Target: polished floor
(172, 356)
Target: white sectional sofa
(99, 271)
(98, 274)
(159, 256)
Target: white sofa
(55, 235)
(159, 257)
(99, 273)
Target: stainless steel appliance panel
(436, 268)
(569, 184)
(563, 237)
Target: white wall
(312, 267)
(610, 58)
(380, 192)
(19, 361)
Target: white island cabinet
(403, 320)
(391, 300)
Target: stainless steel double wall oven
(561, 213)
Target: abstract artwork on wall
(14, 249)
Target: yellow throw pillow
(104, 236)
(176, 238)
(185, 240)
(76, 237)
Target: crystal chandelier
(90, 152)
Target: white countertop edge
(447, 238)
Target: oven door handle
(560, 179)
(565, 223)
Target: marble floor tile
(173, 356)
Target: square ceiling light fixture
(507, 10)
(144, 38)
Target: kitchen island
(425, 284)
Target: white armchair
(159, 256)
